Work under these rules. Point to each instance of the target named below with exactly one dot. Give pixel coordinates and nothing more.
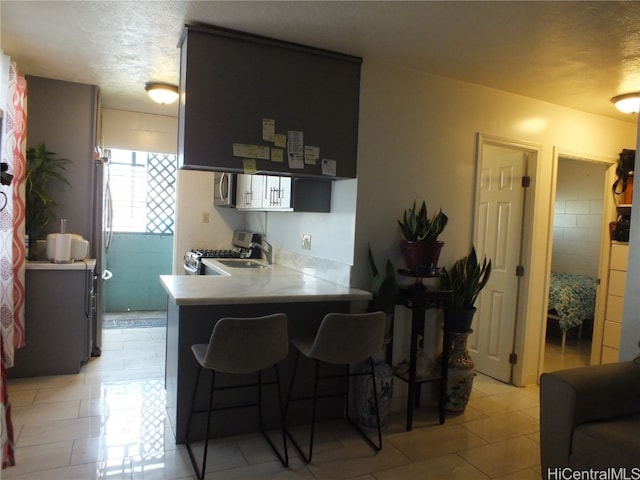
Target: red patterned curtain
(12, 253)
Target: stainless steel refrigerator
(102, 234)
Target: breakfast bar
(196, 303)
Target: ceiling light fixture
(164, 93)
(627, 103)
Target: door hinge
(520, 271)
(513, 358)
(526, 181)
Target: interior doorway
(581, 209)
(575, 256)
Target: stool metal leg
(375, 401)
(193, 404)
(306, 458)
(206, 437)
(286, 411)
(284, 459)
(200, 472)
(315, 407)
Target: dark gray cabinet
(237, 90)
(57, 321)
(311, 195)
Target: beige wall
(418, 140)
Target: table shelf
(404, 376)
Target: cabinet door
(250, 191)
(277, 193)
(311, 195)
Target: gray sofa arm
(571, 397)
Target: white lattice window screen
(143, 191)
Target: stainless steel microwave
(224, 189)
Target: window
(143, 186)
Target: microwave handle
(223, 178)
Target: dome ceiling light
(164, 93)
(627, 103)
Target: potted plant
(43, 167)
(466, 279)
(420, 245)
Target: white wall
(577, 219)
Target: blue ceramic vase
(365, 403)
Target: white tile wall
(578, 217)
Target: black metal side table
(419, 297)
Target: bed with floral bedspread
(573, 298)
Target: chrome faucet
(266, 248)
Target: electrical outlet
(205, 217)
(306, 241)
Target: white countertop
(274, 284)
(86, 264)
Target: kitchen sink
(242, 263)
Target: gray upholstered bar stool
(342, 339)
(241, 346)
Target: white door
(498, 235)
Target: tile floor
(576, 353)
(109, 422)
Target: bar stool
(342, 339)
(241, 346)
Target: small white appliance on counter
(66, 247)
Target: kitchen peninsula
(194, 305)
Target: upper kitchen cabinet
(254, 104)
(263, 192)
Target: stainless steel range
(243, 246)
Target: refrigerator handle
(109, 233)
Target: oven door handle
(191, 270)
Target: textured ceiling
(576, 54)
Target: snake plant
(466, 279)
(417, 225)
